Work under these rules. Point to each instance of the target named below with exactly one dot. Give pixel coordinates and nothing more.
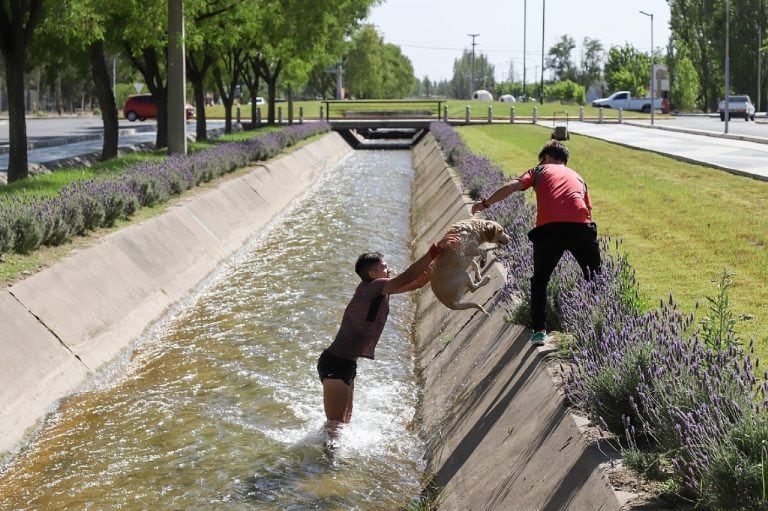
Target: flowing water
(220, 407)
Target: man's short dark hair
(367, 261)
(555, 150)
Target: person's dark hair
(555, 150)
(367, 261)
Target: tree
(398, 78)
(364, 65)
(698, 28)
(684, 86)
(291, 39)
(559, 59)
(462, 71)
(73, 32)
(202, 36)
(18, 20)
(628, 69)
(592, 55)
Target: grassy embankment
(680, 224)
(14, 266)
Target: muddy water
(220, 406)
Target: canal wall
(65, 322)
(499, 435)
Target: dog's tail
(468, 305)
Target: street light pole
(543, 12)
(653, 71)
(525, 37)
(472, 77)
(727, 112)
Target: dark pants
(550, 241)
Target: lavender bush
(687, 396)
(28, 222)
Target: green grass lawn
(680, 224)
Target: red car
(143, 106)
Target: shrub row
(683, 399)
(27, 222)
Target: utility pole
(177, 114)
(727, 64)
(525, 38)
(472, 77)
(543, 12)
(759, 64)
(653, 71)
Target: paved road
(739, 154)
(58, 140)
(701, 139)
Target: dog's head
(493, 232)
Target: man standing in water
(361, 328)
(563, 222)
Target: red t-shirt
(363, 321)
(561, 194)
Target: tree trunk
(106, 98)
(227, 94)
(162, 118)
(196, 75)
(251, 79)
(17, 124)
(271, 92)
(149, 68)
(271, 79)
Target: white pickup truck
(738, 106)
(624, 100)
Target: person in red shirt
(563, 222)
(361, 327)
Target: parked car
(738, 106)
(624, 100)
(143, 106)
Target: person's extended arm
(402, 282)
(502, 193)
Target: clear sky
(433, 33)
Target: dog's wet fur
(455, 271)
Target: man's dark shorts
(336, 368)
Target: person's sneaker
(539, 338)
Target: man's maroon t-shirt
(363, 321)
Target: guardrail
(383, 109)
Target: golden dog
(450, 275)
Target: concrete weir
(499, 434)
(62, 324)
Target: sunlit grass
(680, 224)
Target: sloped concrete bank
(499, 435)
(62, 324)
